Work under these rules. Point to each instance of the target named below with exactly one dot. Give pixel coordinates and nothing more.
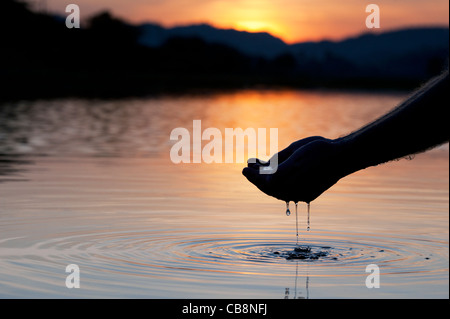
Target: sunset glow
(259, 26)
(290, 20)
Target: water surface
(91, 183)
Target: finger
(256, 162)
(288, 151)
(283, 154)
(293, 163)
(252, 174)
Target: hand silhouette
(310, 166)
(306, 169)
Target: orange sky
(291, 20)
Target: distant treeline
(41, 57)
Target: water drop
(308, 216)
(288, 212)
(296, 221)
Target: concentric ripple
(172, 257)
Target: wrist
(348, 157)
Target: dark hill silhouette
(415, 52)
(252, 43)
(109, 57)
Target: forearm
(418, 124)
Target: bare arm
(419, 123)
(310, 166)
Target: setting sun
(290, 20)
(259, 26)
(253, 26)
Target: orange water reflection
(108, 196)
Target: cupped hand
(305, 170)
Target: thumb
(252, 174)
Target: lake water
(91, 183)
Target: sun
(259, 26)
(253, 26)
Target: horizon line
(273, 34)
(325, 39)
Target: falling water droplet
(296, 221)
(288, 212)
(308, 216)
